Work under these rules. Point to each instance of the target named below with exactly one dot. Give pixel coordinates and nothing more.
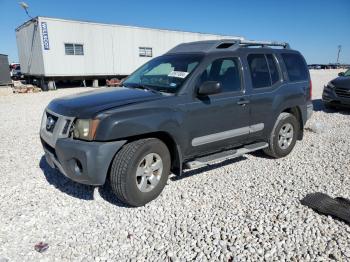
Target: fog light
(78, 168)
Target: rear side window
(273, 69)
(263, 70)
(259, 70)
(296, 67)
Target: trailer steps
(224, 155)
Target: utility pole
(339, 49)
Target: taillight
(310, 90)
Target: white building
(57, 48)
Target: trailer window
(78, 49)
(145, 52)
(69, 48)
(74, 49)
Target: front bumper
(330, 96)
(81, 161)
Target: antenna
(25, 6)
(339, 50)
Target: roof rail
(222, 44)
(263, 43)
(235, 43)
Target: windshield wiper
(146, 87)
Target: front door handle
(243, 102)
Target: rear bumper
(329, 96)
(81, 161)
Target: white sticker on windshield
(178, 74)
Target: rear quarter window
(296, 67)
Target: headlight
(85, 129)
(330, 84)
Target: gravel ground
(245, 209)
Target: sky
(313, 27)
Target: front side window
(165, 73)
(74, 49)
(296, 67)
(226, 72)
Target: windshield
(165, 73)
(347, 73)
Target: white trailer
(52, 48)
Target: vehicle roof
(229, 45)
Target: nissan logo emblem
(50, 122)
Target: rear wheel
(283, 136)
(140, 171)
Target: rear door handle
(243, 102)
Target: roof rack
(263, 43)
(223, 44)
(235, 43)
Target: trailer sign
(45, 35)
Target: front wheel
(283, 136)
(140, 171)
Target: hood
(342, 81)
(88, 104)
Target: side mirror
(341, 74)
(209, 88)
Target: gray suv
(200, 103)
(337, 92)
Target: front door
(221, 120)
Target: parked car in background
(337, 92)
(113, 82)
(15, 71)
(200, 103)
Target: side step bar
(224, 155)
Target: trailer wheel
(43, 85)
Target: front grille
(51, 121)
(342, 92)
(59, 127)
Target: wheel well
(167, 139)
(295, 111)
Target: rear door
(265, 76)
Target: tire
(284, 121)
(135, 166)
